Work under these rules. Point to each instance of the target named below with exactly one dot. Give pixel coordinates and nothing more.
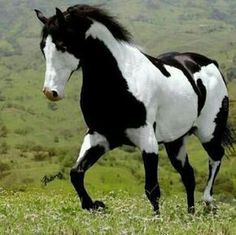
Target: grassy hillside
(39, 138)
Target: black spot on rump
(221, 119)
(202, 96)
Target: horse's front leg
(93, 147)
(145, 139)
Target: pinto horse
(129, 97)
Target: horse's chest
(111, 108)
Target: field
(39, 138)
(58, 212)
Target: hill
(39, 137)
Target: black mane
(82, 13)
(102, 16)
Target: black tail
(228, 139)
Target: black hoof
(191, 210)
(156, 210)
(98, 205)
(92, 206)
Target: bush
(3, 131)
(4, 167)
(40, 156)
(66, 133)
(27, 181)
(4, 148)
(23, 131)
(25, 147)
(231, 74)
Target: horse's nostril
(54, 93)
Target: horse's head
(62, 44)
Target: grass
(59, 212)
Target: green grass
(57, 212)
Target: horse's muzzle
(51, 94)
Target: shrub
(66, 133)
(40, 156)
(24, 147)
(3, 131)
(27, 181)
(23, 131)
(4, 167)
(231, 74)
(4, 148)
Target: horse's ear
(41, 17)
(60, 17)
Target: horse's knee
(76, 176)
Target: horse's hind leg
(211, 135)
(93, 147)
(177, 154)
(215, 152)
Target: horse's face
(61, 47)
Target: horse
(131, 98)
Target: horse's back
(202, 72)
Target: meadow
(58, 212)
(39, 138)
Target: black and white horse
(129, 97)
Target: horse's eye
(61, 46)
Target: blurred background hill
(38, 137)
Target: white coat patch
(59, 66)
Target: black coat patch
(221, 121)
(159, 64)
(202, 96)
(107, 105)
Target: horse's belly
(176, 120)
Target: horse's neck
(112, 65)
(103, 47)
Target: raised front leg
(145, 139)
(93, 147)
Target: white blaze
(59, 66)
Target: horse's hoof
(156, 210)
(157, 213)
(92, 206)
(98, 205)
(210, 207)
(191, 210)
